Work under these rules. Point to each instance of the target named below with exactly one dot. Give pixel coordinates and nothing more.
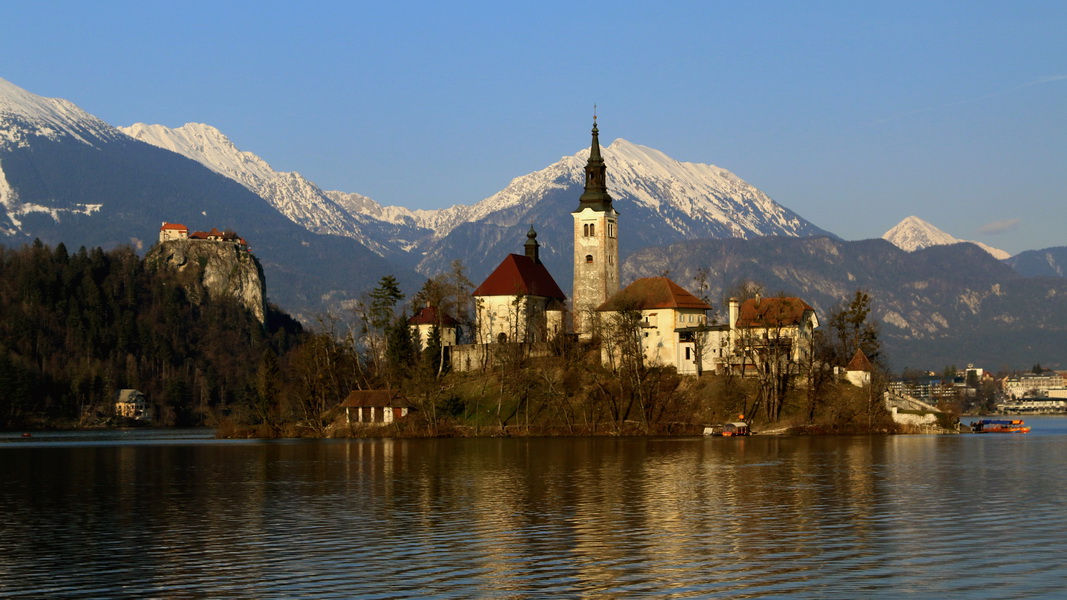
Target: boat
(735, 428)
(1000, 426)
(728, 429)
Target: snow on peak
(301, 201)
(688, 194)
(914, 233)
(208, 146)
(23, 114)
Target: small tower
(596, 244)
(532, 246)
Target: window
(589, 229)
(687, 353)
(592, 229)
(589, 259)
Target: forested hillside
(78, 327)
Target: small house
(173, 231)
(132, 405)
(429, 317)
(375, 407)
(858, 371)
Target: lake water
(165, 514)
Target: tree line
(80, 326)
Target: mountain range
(68, 176)
(670, 200)
(938, 306)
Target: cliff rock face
(219, 269)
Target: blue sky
(853, 114)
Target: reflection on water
(921, 516)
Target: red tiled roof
(175, 226)
(198, 235)
(520, 275)
(859, 362)
(374, 398)
(653, 292)
(427, 315)
(772, 312)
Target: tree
(268, 390)
(700, 338)
(622, 337)
(401, 349)
(377, 314)
(850, 327)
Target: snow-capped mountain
(660, 200)
(25, 116)
(292, 195)
(672, 200)
(66, 176)
(914, 233)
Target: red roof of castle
(427, 315)
(653, 292)
(520, 275)
(175, 226)
(772, 312)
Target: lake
(177, 514)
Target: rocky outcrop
(217, 269)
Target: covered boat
(735, 428)
(1000, 426)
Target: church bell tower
(596, 245)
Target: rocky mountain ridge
(672, 200)
(68, 177)
(938, 306)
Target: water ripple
(923, 517)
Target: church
(520, 302)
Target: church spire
(532, 245)
(596, 194)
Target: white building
(1032, 385)
(519, 301)
(661, 316)
(429, 317)
(776, 329)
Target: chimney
(734, 310)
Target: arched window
(502, 338)
(589, 258)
